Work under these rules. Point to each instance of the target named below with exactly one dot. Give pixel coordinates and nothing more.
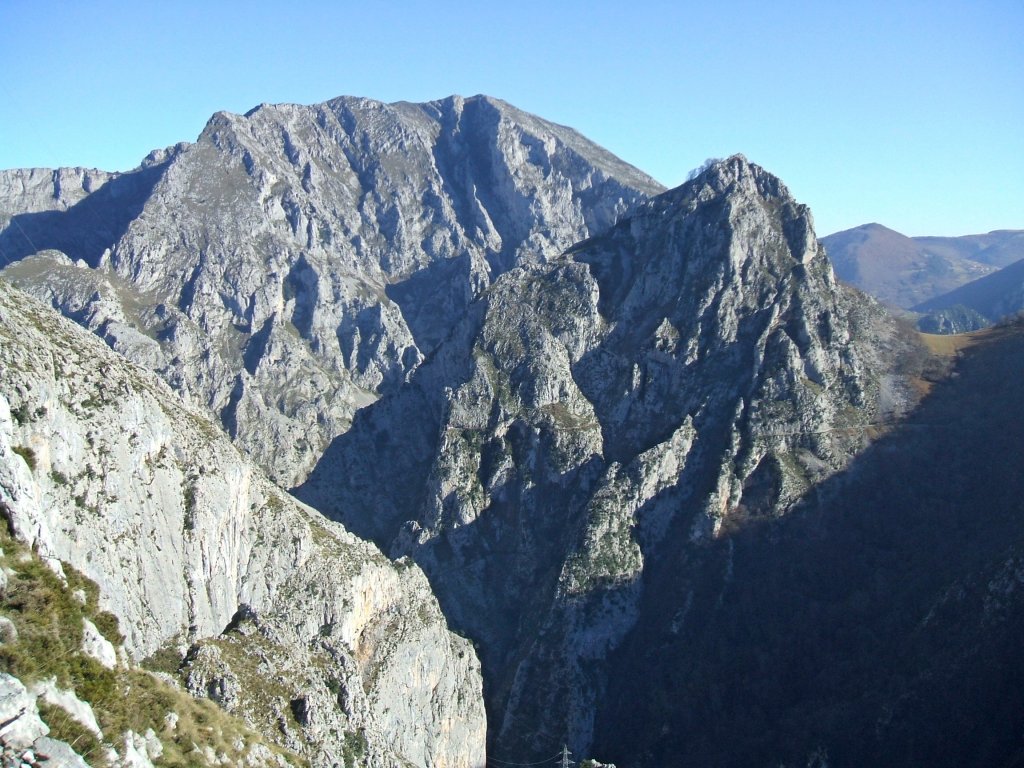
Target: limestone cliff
(103, 467)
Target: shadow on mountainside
(878, 624)
(86, 229)
(432, 295)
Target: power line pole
(565, 756)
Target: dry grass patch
(48, 617)
(950, 345)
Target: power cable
(511, 762)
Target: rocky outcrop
(296, 262)
(23, 734)
(20, 725)
(81, 212)
(952, 320)
(193, 547)
(597, 416)
(59, 708)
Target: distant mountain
(990, 298)
(904, 271)
(999, 248)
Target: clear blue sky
(906, 113)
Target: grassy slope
(48, 618)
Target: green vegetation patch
(27, 454)
(354, 749)
(64, 727)
(48, 618)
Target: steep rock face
(330, 248)
(695, 368)
(103, 467)
(79, 211)
(37, 189)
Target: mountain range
(906, 272)
(572, 459)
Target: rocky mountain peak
(721, 174)
(732, 178)
(729, 244)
